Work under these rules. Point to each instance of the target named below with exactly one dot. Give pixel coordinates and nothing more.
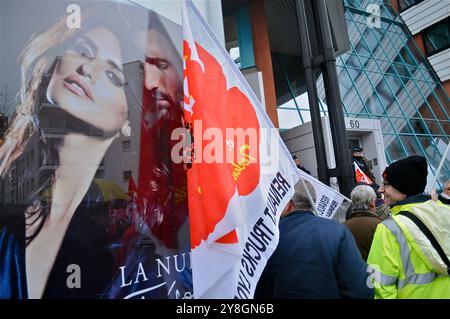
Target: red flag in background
(360, 176)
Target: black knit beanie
(408, 175)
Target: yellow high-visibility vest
(406, 265)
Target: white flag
(242, 176)
(328, 200)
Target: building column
(263, 59)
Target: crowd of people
(395, 242)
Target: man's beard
(157, 113)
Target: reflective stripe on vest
(418, 279)
(405, 253)
(387, 280)
(382, 278)
(411, 278)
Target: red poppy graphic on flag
(211, 185)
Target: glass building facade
(385, 76)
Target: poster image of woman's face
(88, 81)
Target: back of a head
(300, 199)
(363, 197)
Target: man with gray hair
(363, 220)
(316, 258)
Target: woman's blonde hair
(35, 60)
(38, 60)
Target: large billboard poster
(91, 204)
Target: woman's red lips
(74, 84)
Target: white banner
(328, 200)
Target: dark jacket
(363, 224)
(304, 169)
(315, 258)
(13, 283)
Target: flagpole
(311, 201)
(440, 166)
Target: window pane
(412, 145)
(437, 36)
